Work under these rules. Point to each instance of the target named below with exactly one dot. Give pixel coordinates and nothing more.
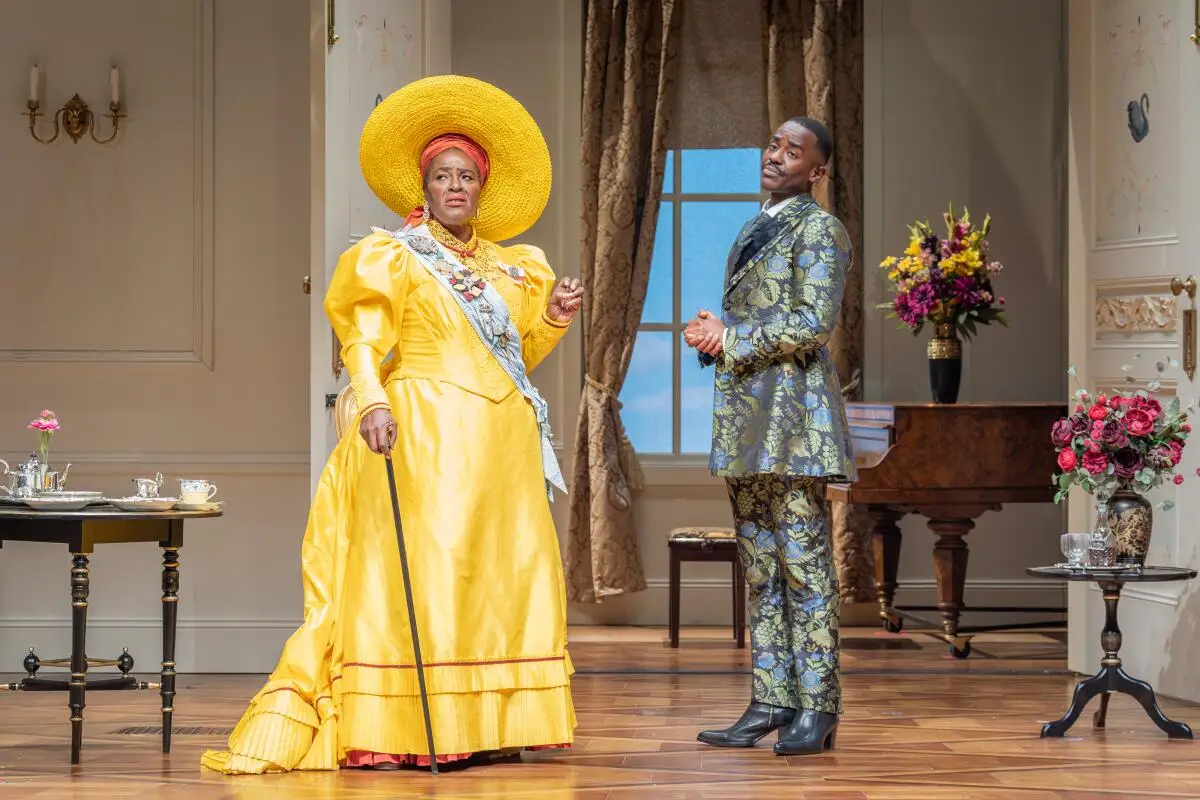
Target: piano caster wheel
(893, 626)
(961, 652)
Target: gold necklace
(451, 242)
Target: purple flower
(1080, 424)
(1112, 433)
(1127, 463)
(1161, 458)
(1062, 433)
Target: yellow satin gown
(484, 558)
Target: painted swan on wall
(1139, 118)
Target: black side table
(1111, 678)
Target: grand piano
(949, 464)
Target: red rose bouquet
(1126, 441)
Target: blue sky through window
(661, 365)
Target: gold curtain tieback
(602, 389)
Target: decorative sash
(488, 314)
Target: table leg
(80, 587)
(170, 600)
(1111, 678)
(886, 540)
(673, 590)
(1100, 716)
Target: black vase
(1131, 520)
(945, 364)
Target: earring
(425, 211)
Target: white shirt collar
(772, 210)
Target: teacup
(195, 492)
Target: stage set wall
(151, 287)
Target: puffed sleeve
(365, 304)
(539, 333)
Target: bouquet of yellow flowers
(946, 280)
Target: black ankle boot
(758, 720)
(811, 732)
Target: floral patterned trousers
(785, 547)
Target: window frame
(676, 196)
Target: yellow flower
(890, 261)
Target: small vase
(1102, 548)
(1131, 518)
(945, 364)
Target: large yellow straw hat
(397, 131)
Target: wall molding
(224, 463)
(1161, 597)
(203, 232)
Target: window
(707, 196)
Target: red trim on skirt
(365, 759)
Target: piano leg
(885, 536)
(950, 569)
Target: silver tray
(45, 502)
(1089, 568)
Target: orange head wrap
(439, 145)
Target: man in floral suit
(779, 434)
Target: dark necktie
(762, 231)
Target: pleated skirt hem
(283, 732)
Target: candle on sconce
(34, 80)
(114, 79)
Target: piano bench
(707, 544)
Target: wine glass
(1075, 547)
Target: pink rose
(1138, 422)
(1176, 451)
(1178, 479)
(1098, 411)
(1092, 446)
(1067, 460)
(1095, 463)
(1186, 427)
(1149, 405)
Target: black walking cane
(412, 614)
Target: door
(1133, 201)
(362, 50)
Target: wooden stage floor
(919, 726)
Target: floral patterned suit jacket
(778, 404)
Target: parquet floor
(919, 726)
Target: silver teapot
(148, 487)
(26, 481)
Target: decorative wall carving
(1138, 314)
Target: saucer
(143, 503)
(211, 505)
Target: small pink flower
(1178, 479)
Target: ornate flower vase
(1131, 519)
(945, 364)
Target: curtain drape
(631, 57)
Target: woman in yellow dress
(439, 328)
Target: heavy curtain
(814, 67)
(630, 68)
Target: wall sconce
(75, 117)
